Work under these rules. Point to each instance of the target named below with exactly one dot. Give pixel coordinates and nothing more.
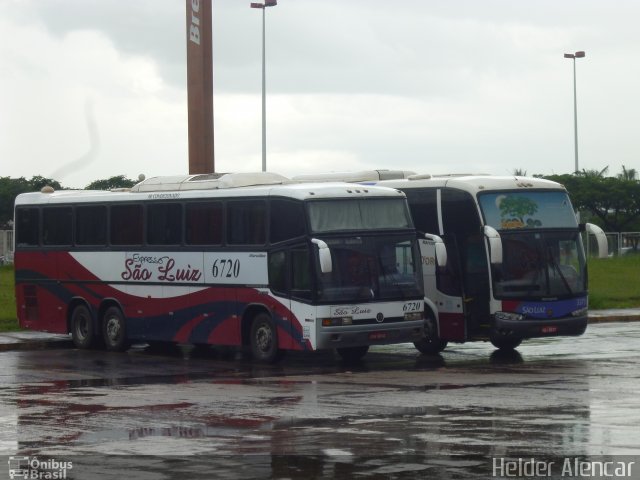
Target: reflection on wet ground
(396, 414)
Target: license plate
(550, 329)
(377, 335)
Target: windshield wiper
(557, 268)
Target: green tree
(630, 174)
(119, 181)
(612, 203)
(37, 182)
(593, 173)
(10, 188)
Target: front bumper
(541, 327)
(378, 334)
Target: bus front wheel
(114, 330)
(430, 343)
(505, 343)
(82, 329)
(264, 339)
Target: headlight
(508, 316)
(579, 313)
(408, 317)
(336, 322)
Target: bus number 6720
(225, 268)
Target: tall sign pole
(200, 86)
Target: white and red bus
(246, 260)
(514, 265)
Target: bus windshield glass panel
(542, 249)
(541, 265)
(371, 268)
(357, 214)
(520, 210)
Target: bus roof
(226, 189)
(472, 183)
(360, 176)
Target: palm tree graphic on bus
(514, 209)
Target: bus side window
(126, 225)
(461, 224)
(300, 273)
(287, 220)
(57, 225)
(448, 279)
(91, 225)
(246, 222)
(204, 223)
(278, 272)
(164, 224)
(424, 209)
(292, 277)
(27, 227)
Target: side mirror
(324, 255)
(601, 239)
(441, 248)
(495, 244)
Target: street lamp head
(268, 3)
(566, 55)
(579, 54)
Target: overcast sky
(95, 88)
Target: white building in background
(6, 246)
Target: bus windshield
(527, 209)
(371, 268)
(359, 214)
(541, 264)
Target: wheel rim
(82, 326)
(264, 337)
(113, 329)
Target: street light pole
(263, 7)
(575, 103)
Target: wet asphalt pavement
(397, 414)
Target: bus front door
(442, 288)
(475, 285)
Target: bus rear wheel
(114, 330)
(264, 339)
(82, 328)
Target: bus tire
(431, 343)
(352, 354)
(114, 330)
(82, 328)
(264, 339)
(505, 343)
